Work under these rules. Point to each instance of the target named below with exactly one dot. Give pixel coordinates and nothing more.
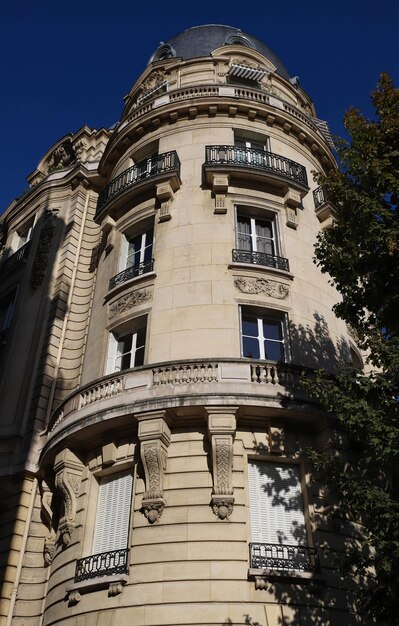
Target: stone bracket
(68, 474)
(220, 187)
(221, 432)
(47, 518)
(165, 195)
(154, 436)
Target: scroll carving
(68, 469)
(63, 156)
(153, 80)
(154, 435)
(47, 518)
(221, 430)
(265, 286)
(126, 302)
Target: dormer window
(239, 39)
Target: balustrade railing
(106, 389)
(185, 374)
(260, 258)
(319, 196)
(15, 259)
(257, 159)
(166, 162)
(275, 556)
(131, 272)
(103, 564)
(285, 374)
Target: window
(7, 305)
(252, 151)
(255, 234)
(25, 234)
(263, 336)
(139, 253)
(278, 531)
(126, 349)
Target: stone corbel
(165, 195)
(292, 201)
(47, 518)
(154, 436)
(68, 474)
(221, 432)
(220, 187)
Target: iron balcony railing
(261, 258)
(15, 260)
(275, 556)
(319, 197)
(257, 159)
(131, 272)
(158, 164)
(103, 564)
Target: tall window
(126, 349)
(276, 503)
(25, 234)
(256, 235)
(263, 337)
(139, 252)
(252, 151)
(113, 514)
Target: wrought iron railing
(260, 258)
(275, 556)
(319, 196)
(131, 272)
(257, 159)
(103, 564)
(15, 259)
(158, 164)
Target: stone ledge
(114, 583)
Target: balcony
(254, 164)
(15, 260)
(283, 558)
(131, 272)
(260, 258)
(324, 208)
(103, 564)
(139, 179)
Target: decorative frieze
(154, 436)
(68, 474)
(271, 288)
(221, 432)
(128, 301)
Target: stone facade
(159, 307)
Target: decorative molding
(154, 435)
(63, 156)
(153, 80)
(47, 519)
(271, 288)
(40, 261)
(221, 432)
(68, 474)
(129, 300)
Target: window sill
(115, 586)
(249, 267)
(264, 576)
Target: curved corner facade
(169, 296)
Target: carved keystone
(68, 469)
(221, 431)
(154, 436)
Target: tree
(360, 252)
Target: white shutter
(276, 504)
(113, 514)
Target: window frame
(272, 315)
(131, 327)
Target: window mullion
(261, 339)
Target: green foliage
(361, 255)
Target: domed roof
(200, 41)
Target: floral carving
(223, 455)
(68, 471)
(265, 286)
(124, 303)
(155, 79)
(47, 518)
(221, 429)
(63, 156)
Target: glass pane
(274, 350)
(250, 348)
(125, 344)
(125, 361)
(139, 357)
(249, 326)
(244, 224)
(272, 330)
(264, 245)
(140, 341)
(264, 229)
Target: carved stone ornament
(47, 518)
(129, 300)
(68, 469)
(61, 157)
(153, 80)
(221, 431)
(246, 62)
(40, 261)
(268, 287)
(115, 588)
(154, 436)
(74, 597)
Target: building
(159, 306)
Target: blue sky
(68, 64)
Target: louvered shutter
(276, 504)
(113, 514)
